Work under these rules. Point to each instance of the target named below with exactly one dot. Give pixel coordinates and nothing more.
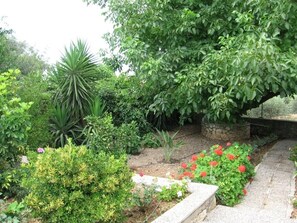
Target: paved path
(269, 195)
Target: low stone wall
(193, 209)
(226, 132)
(264, 127)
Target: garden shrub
(75, 184)
(150, 140)
(229, 168)
(102, 135)
(127, 138)
(121, 96)
(34, 88)
(14, 126)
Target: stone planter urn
(225, 131)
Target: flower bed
(229, 168)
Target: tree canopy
(218, 58)
(18, 55)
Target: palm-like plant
(62, 126)
(76, 71)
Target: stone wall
(264, 127)
(226, 132)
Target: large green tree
(218, 58)
(15, 54)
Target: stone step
(223, 214)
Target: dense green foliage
(34, 88)
(18, 55)
(74, 184)
(102, 135)
(14, 126)
(122, 96)
(229, 168)
(205, 56)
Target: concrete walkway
(269, 195)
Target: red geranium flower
(244, 191)
(141, 174)
(189, 174)
(219, 152)
(194, 166)
(203, 174)
(230, 156)
(220, 147)
(194, 158)
(249, 158)
(228, 144)
(184, 165)
(202, 155)
(241, 168)
(213, 163)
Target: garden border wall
(192, 209)
(264, 127)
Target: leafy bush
(74, 184)
(229, 169)
(173, 191)
(102, 135)
(34, 88)
(127, 138)
(12, 212)
(120, 94)
(150, 140)
(143, 196)
(14, 126)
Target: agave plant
(62, 126)
(76, 72)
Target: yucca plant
(76, 72)
(63, 126)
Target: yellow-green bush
(74, 184)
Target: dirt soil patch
(156, 209)
(150, 161)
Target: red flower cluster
(189, 174)
(242, 168)
(194, 158)
(244, 191)
(202, 155)
(194, 166)
(213, 163)
(219, 151)
(184, 165)
(228, 144)
(230, 156)
(203, 174)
